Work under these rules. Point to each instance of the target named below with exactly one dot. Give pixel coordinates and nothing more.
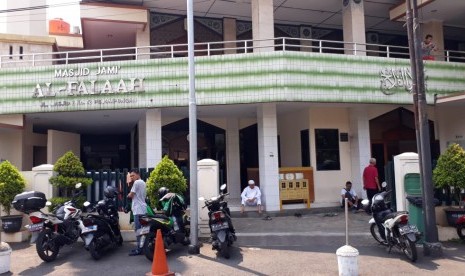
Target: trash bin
(415, 210)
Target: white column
(263, 25)
(268, 155)
(150, 145)
(360, 146)
(233, 162)
(435, 29)
(143, 39)
(353, 20)
(229, 34)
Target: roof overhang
(454, 99)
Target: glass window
(327, 149)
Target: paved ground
(282, 246)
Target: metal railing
(218, 48)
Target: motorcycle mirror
(223, 187)
(48, 203)
(86, 204)
(365, 202)
(384, 184)
(78, 185)
(201, 198)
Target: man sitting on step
(251, 196)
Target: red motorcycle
(461, 227)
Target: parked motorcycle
(391, 228)
(173, 223)
(461, 227)
(61, 227)
(222, 230)
(102, 228)
(30, 203)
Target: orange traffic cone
(159, 264)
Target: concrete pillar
(360, 146)
(268, 155)
(263, 25)
(150, 145)
(143, 39)
(435, 28)
(229, 34)
(233, 161)
(353, 20)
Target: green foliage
(166, 174)
(70, 171)
(450, 169)
(12, 183)
(60, 200)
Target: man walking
(370, 180)
(138, 206)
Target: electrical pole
(194, 203)
(431, 245)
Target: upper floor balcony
(283, 44)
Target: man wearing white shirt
(251, 196)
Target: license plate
(89, 229)
(36, 227)
(144, 230)
(406, 229)
(220, 226)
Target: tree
(166, 174)
(69, 171)
(11, 184)
(450, 170)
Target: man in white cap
(251, 196)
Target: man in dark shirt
(370, 180)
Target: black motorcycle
(102, 228)
(174, 225)
(391, 228)
(222, 230)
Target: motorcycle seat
(393, 215)
(160, 216)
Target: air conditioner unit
(372, 38)
(306, 32)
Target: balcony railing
(218, 48)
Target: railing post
(33, 60)
(67, 57)
(320, 45)
(387, 51)
(284, 44)
(245, 45)
(137, 52)
(208, 49)
(447, 55)
(355, 48)
(172, 51)
(101, 55)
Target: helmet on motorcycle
(162, 192)
(378, 204)
(110, 192)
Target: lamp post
(194, 246)
(431, 245)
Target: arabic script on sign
(395, 78)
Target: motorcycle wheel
(375, 233)
(461, 231)
(45, 247)
(149, 246)
(410, 249)
(224, 250)
(94, 250)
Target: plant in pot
(11, 184)
(166, 174)
(69, 171)
(449, 174)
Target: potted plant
(449, 174)
(11, 184)
(166, 174)
(69, 171)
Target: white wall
(32, 22)
(11, 146)
(289, 127)
(59, 142)
(451, 126)
(328, 184)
